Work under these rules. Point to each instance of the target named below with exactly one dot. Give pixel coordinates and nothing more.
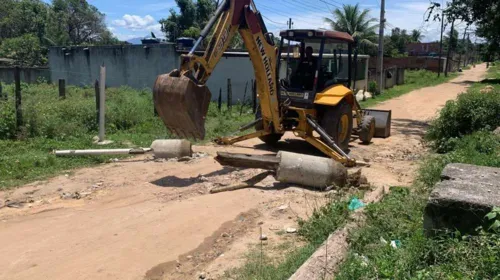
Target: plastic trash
(395, 244)
(355, 204)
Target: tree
(76, 22)
(357, 23)
(416, 36)
(28, 27)
(484, 14)
(21, 17)
(25, 50)
(190, 19)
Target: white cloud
(125, 37)
(136, 23)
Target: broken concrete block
(464, 196)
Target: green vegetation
(399, 215)
(357, 22)
(53, 123)
(314, 231)
(474, 111)
(414, 79)
(29, 27)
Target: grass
(52, 123)
(260, 266)
(399, 217)
(414, 79)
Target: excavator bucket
(181, 104)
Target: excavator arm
(182, 98)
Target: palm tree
(357, 23)
(416, 36)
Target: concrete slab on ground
(464, 196)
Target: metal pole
(463, 41)
(449, 47)
(102, 100)
(380, 63)
(381, 46)
(95, 152)
(467, 55)
(441, 44)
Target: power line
(326, 2)
(273, 21)
(271, 9)
(282, 14)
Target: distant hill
(135, 41)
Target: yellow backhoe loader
(305, 89)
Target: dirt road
(142, 219)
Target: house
(423, 49)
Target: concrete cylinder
(171, 148)
(318, 172)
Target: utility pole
(467, 54)
(463, 41)
(441, 44)
(289, 23)
(381, 46)
(449, 46)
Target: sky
(137, 18)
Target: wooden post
(102, 100)
(229, 94)
(62, 88)
(219, 102)
(254, 96)
(97, 98)
(19, 113)
(244, 97)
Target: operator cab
(312, 61)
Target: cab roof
(300, 34)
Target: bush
(480, 148)
(373, 87)
(472, 111)
(7, 120)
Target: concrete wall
(131, 65)
(138, 67)
(412, 62)
(392, 76)
(28, 75)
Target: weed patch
(399, 216)
(313, 231)
(53, 123)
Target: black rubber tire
(330, 122)
(270, 139)
(366, 129)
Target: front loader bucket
(382, 122)
(181, 104)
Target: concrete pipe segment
(310, 171)
(172, 148)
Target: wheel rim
(343, 127)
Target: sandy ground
(143, 219)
